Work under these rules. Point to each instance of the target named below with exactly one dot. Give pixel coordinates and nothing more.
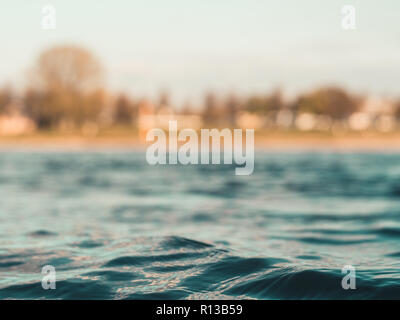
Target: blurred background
(309, 77)
(119, 68)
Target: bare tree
(68, 68)
(66, 85)
(5, 99)
(231, 109)
(211, 110)
(265, 104)
(124, 110)
(331, 101)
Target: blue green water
(116, 228)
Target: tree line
(66, 89)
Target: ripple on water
(116, 228)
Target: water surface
(116, 228)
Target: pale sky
(188, 46)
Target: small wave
(10, 264)
(180, 242)
(308, 257)
(311, 284)
(88, 244)
(42, 233)
(141, 260)
(75, 288)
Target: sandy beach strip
(274, 141)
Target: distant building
(376, 105)
(376, 113)
(13, 122)
(247, 120)
(359, 121)
(149, 118)
(285, 119)
(306, 121)
(385, 122)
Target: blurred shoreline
(264, 141)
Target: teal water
(117, 228)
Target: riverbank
(120, 139)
